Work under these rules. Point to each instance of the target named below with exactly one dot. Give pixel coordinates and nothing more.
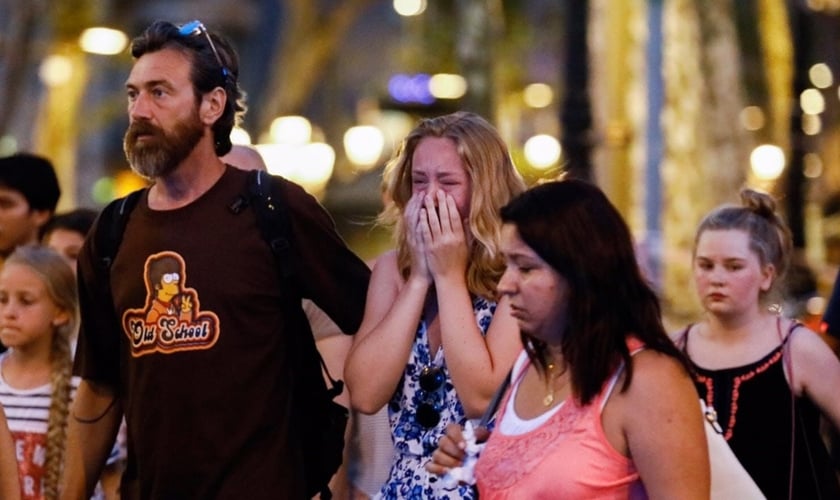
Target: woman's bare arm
(664, 429)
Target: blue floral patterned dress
(414, 443)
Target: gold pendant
(548, 399)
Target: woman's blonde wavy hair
(494, 181)
(60, 282)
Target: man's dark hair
(32, 176)
(205, 73)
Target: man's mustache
(139, 128)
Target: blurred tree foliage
(310, 38)
(18, 25)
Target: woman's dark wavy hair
(574, 228)
(206, 74)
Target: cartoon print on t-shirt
(171, 320)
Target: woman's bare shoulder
(657, 373)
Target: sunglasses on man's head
(197, 28)
(431, 380)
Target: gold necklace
(549, 386)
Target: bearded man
(210, 416)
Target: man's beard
(160, 153)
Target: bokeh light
(542, 151)
(767, 161)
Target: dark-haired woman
(601, 404)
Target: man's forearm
(94, 421)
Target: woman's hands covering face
(443, 236)
(415, 219)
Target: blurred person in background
(829, 327)
(65, 233)
(246, 157)
(29, 193)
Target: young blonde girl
(38, 317)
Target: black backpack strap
(265, 195)
(105, 242)
(267, 199)
(112, 223)
(490, 412)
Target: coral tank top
(568, 456)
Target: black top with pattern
(753, 404)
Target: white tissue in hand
(465, 473)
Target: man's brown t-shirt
(202, 355)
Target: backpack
(321, 429)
